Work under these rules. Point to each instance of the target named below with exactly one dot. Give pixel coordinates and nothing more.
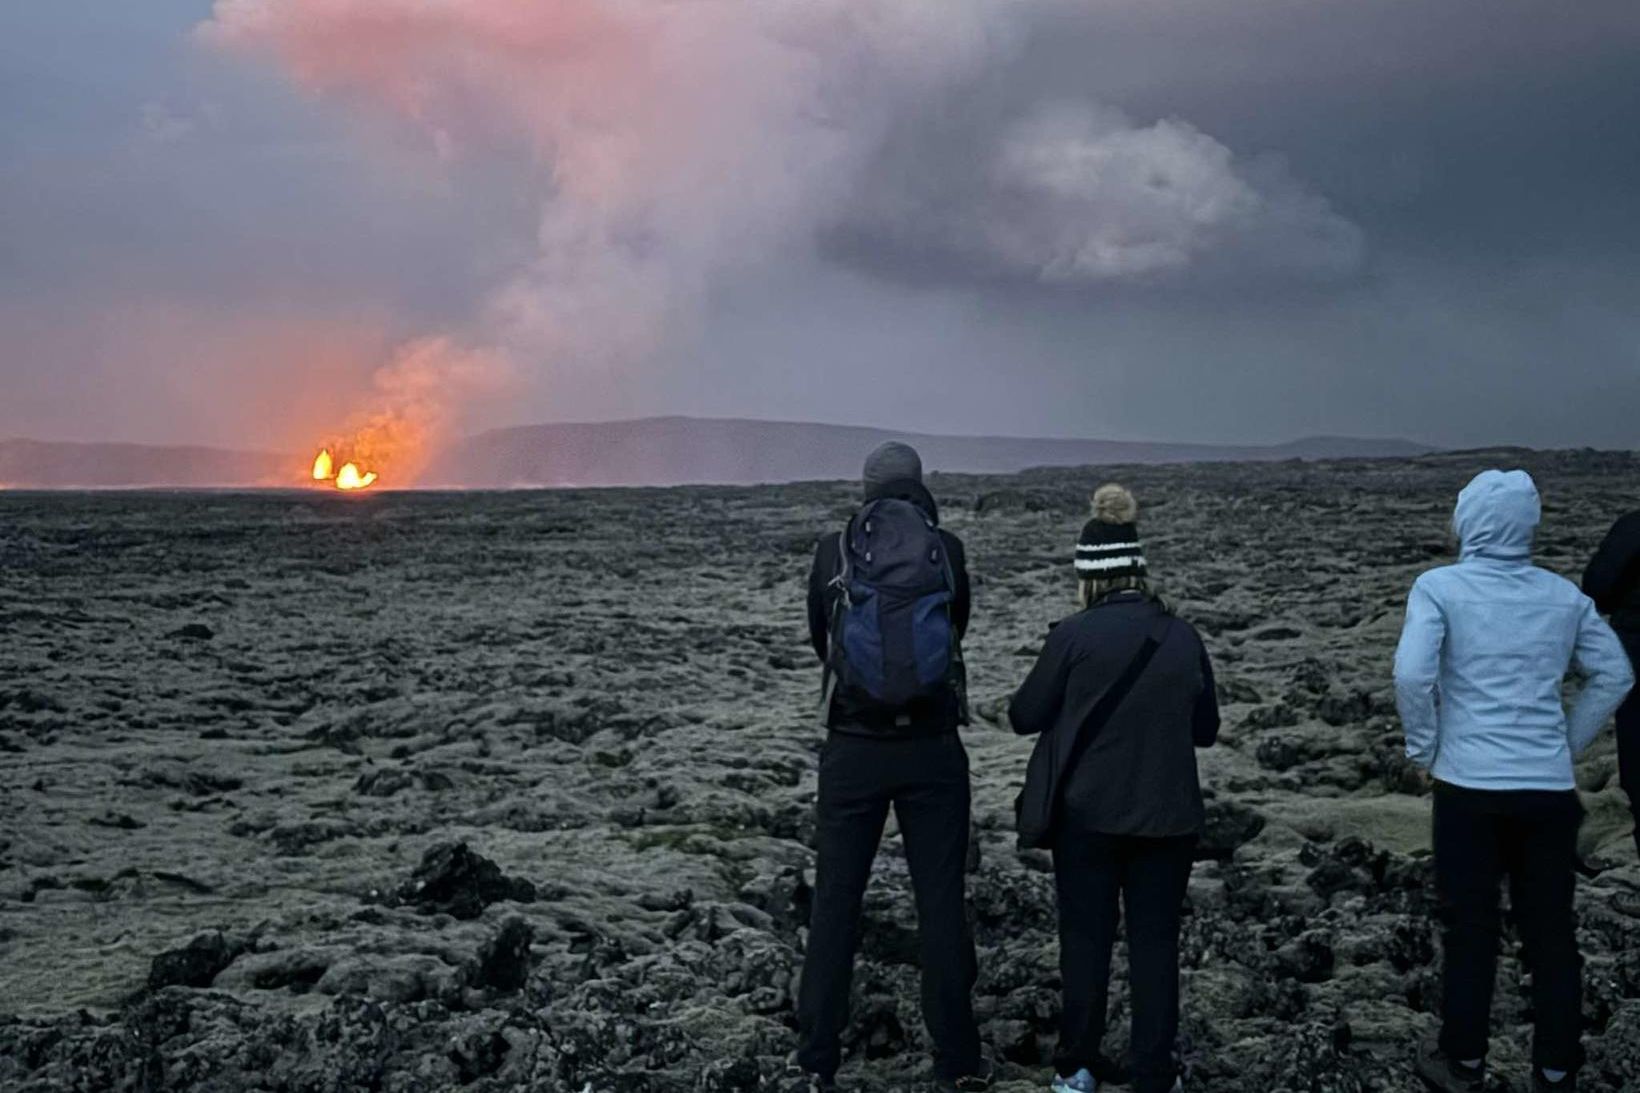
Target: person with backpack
(1122, 694)
(1478, 673)
(1612, 581)
(888, 604)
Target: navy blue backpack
(892, 638)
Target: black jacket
(850, 715)
(1137, 776)
(1612, 580)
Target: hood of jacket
(905, 489)
(1497, 515)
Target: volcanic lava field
(412, 791)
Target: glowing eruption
(349, 478)
(409, 416)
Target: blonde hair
(1090, 590)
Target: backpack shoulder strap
(1112, 697)
(844, 567)
(838, 586)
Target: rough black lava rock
(1230, 824)
(194, 631)
(504, 960)
(454, 880)
(196, 964)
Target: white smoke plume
(684, 144)
(413, 411)
(682, 141)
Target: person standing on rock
(1484, 651)
(1612, 581)
(1122, 694)
(888, 604)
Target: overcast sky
(1214, 220)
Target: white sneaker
(1080, 1082)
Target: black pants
(1150, 875)
(1530, 836)
(926, 780)
(1628, 740)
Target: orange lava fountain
(350, 478)
(346, 477)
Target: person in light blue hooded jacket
(1486, 646)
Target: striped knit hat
(1109, 546)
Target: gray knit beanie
(891, 462)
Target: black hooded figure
(1612, 581)
(910, 758)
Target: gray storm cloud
(1078, 195)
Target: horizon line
(733, 420)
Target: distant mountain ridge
(665, 451)
(39, 464)
(657, 451)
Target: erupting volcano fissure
(409, 416)
(346, 477)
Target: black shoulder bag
(1036, 809)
